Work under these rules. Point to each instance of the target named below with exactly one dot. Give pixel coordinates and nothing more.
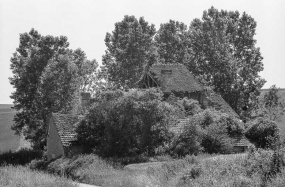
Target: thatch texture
(217, 102)
(172, 78)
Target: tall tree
(224, 56)
(129, 49)
(172, 42)
(27, 64)
(46, 74)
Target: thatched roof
(173, 78)
(219, 103)
(65, 124)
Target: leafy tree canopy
(172, 42)
(127, 123)
(129, 49)
(45, 74)
(224, 56)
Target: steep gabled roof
(222, 105)
(174, 78)
(219, 103)
(65, 124)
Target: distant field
(8, 141)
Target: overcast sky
(85, 23)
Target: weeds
(19, 176)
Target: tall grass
(218, 171)
(20, 176)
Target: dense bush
(189, 142)
(215, 139)
(263, 132)
(38, 164)
(218, 130)
(190, 106)
(89, 169)
(127, 123)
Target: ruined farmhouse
(174, 80)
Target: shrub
(189, 142)
(258, 161)
(190, 106)
(193, 173)
(89, 169)
(218, 129)
(127, 124)
(39, 164)
(266, 163)
(210, 116)
(216, 139)
(263, 133)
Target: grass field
(8, 140)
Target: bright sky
(85, 23)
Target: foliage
(216, 139)
(257, 161)
(194, 173)
(171, 42)
(129, 49)
(270, 105)
(38, 164)
(262, 131)
(190, 106)
(267, 163)
(127, 123)
(218, 129)
(189, 142)
(27, 64)
(208, 117)
(45, 74)
(224, 56)
(89, 169)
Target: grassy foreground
(235, 170)
(20, 176)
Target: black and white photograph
(142, 93)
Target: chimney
(85, 101)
